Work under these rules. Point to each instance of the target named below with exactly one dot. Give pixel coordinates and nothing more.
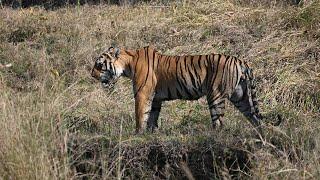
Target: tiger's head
(107, 67)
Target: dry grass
(57, 123)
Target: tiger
(157, 78)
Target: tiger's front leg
(142, 110)
(152, 123)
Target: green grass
(58, 123)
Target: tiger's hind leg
(217, 108)
(152, 123)
(245, 101)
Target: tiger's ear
(114, 51)
(117, 52)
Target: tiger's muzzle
(107, 78)
(95, 74)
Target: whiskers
(108, 85)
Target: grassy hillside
(56, 122)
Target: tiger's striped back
(186, 77)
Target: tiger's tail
(251, 86)
(251, 83)
(251, 92)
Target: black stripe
(214, 73)
(182, 85)
(168, 62)
(210, 76)
(226, 74)
(184, 89)
(114, 70)
(237, 71)
(153, 59)
(130, 70)
(229, 77)
(181, 70)
(192, 57)
(199, 62)
(177, 77)
(145, 82)
(192, 77)
(159, 60)
(211, 64)
(225, 79)
(183, 77)
(206, 77)
(223, 70)
(231, 74)
(128, 53)
(169, 94)
(216, 104)
(181, 73)
(153, 70)
(221, 94)
(179, 96)
(135, 68)
(110, 66)
(206, 62)
(185, 63)
(197, 73)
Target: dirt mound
(155, 158)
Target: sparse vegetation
(58, 123)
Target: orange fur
(157, 78)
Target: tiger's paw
(153, 129)
(139, 131)
(217, 125)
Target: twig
(7, 65)
(184, 167)
(283, 170)
(158, 6)
(119, 156)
